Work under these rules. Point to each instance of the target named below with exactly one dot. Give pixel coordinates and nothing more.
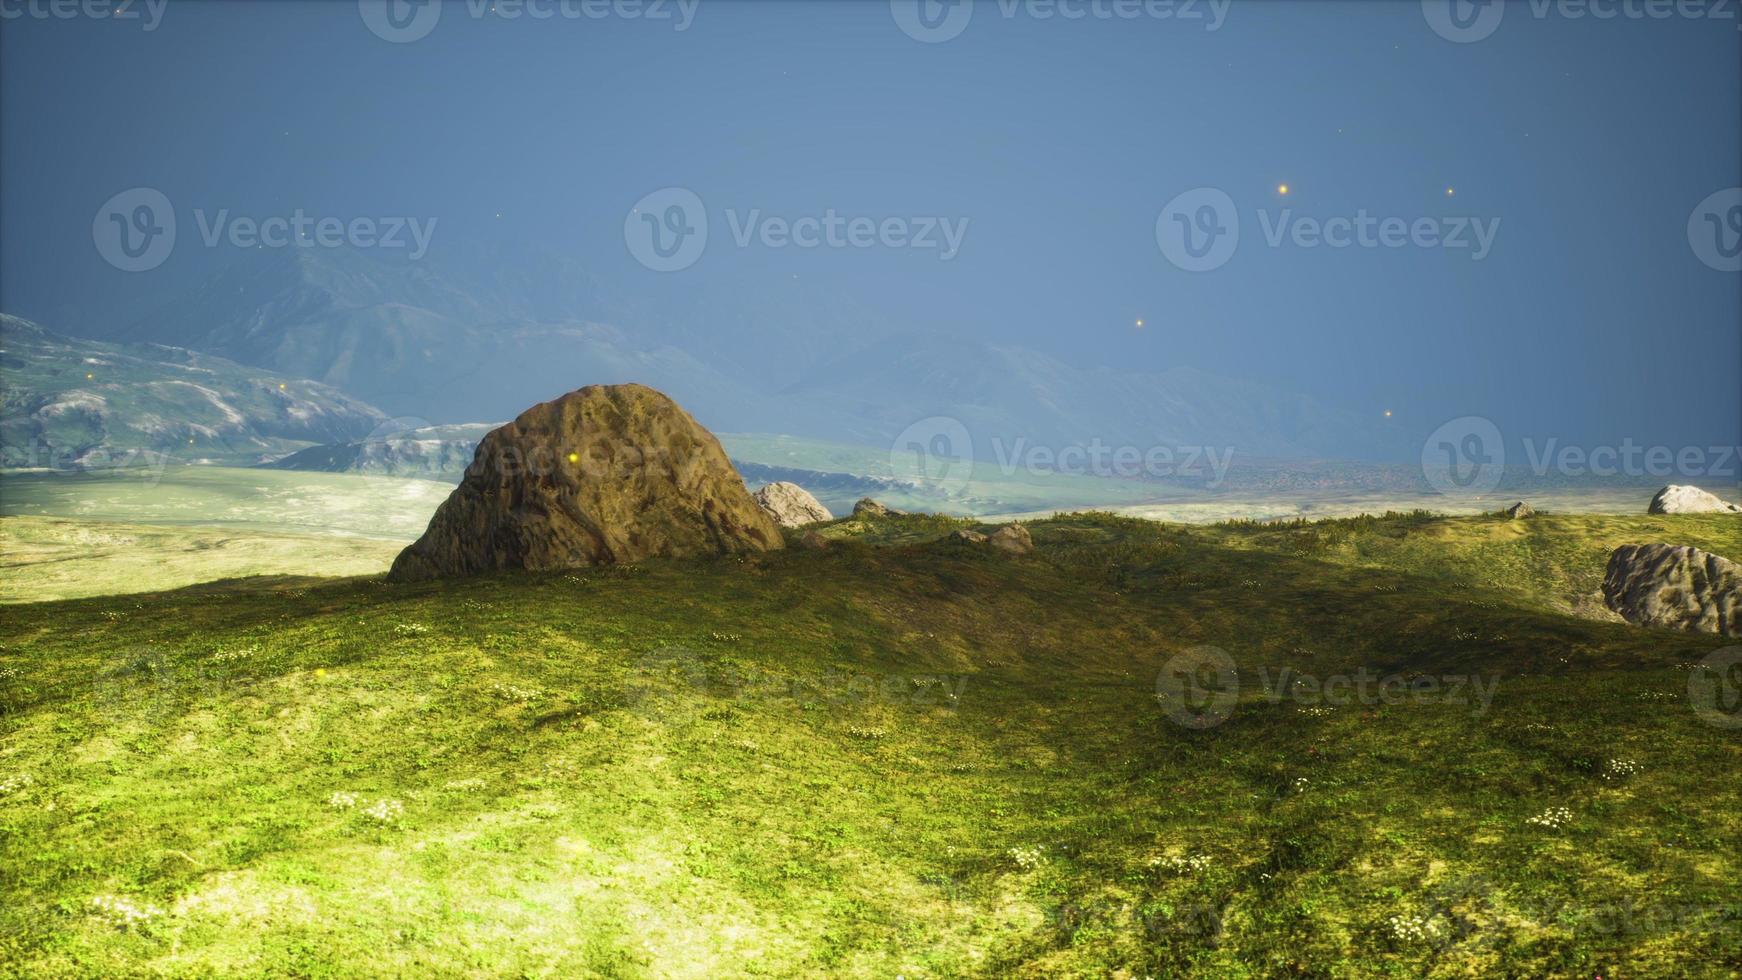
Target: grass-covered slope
(898, 756)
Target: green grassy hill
(898, 756)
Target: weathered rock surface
(1519, 511)
(1012, 538)
(1676, 499)
(1675, 586)
(606, 474)
(867, 507)
(791, 505)
(967, 537)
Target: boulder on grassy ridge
(966, 536)
(813, 541)
(1013, 539)
(791, 505)
(866, 507)
(1677, 587)
(606, 474)
(1677, 499)
(1519, 511)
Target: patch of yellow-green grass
(53, 558)
(1555, 560)
(895, 756)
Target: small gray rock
(1013, 539)
(1676, 587)
(968, 537)
(867, 507)
(791, 505)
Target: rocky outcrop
(606, 474)
(871, 508)
(791, 505)
(1519, 511)
(1676, 587)
(1675, 499)
(1012, 539)
(966, 536)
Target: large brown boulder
(1677, 587)
(606, 474)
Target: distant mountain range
(483, 334)
(66, 402)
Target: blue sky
(1057, 141)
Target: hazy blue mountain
(437, 452)
(451, 341)
(1022, 397)
(71, 402)
(481, 333)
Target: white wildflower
(1414, 928)
(384, 811)
(1554, 818)
(123, 913)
